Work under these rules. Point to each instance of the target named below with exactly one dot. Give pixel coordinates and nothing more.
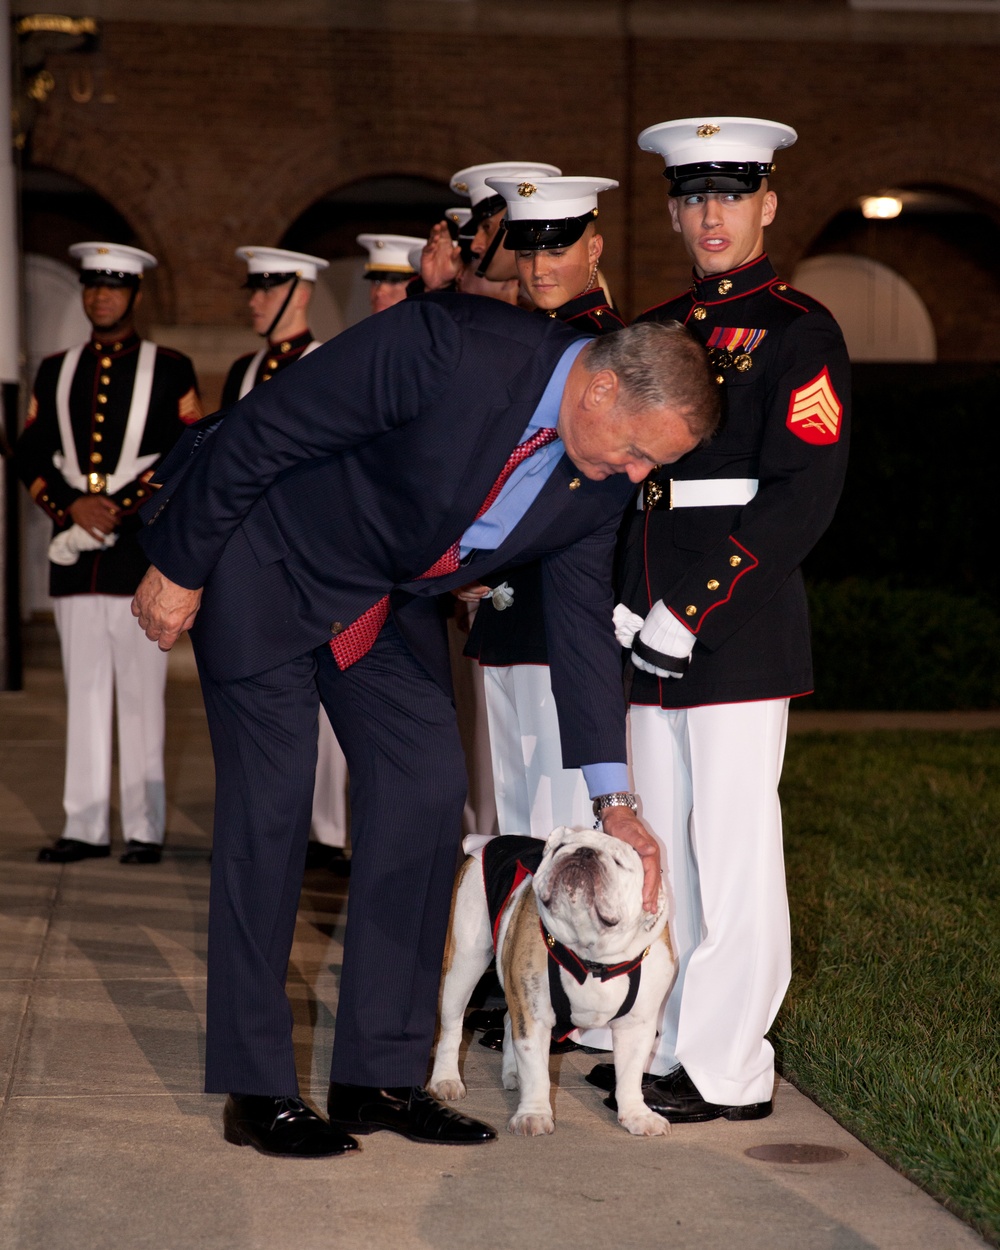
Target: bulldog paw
(531, 1123)
(644, 1123)
(448, 1090)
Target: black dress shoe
(69, 850)
(603, 1076)
(319, 855)
(408, 1110)
(141, 853)
(675, 1097)
(281, 1126)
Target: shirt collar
(546, 414)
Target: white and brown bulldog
(574, 948)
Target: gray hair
(660, 365)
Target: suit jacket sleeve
(800, 475)
(584, 656)
(374, 377)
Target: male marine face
(723, 230)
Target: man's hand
(622, 822)
(441, 260)
(472, 593)
(165, 610)
(96, 514)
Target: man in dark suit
(322, 518)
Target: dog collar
(560, 956)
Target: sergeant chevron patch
(814, 411)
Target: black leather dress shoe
(281, 1126)
(603, 1076)
(675, 1097)
(333, 858)
(141, 853)
(69, 850)
(408, 1110)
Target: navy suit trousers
(398, 731)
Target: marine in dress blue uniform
(714, 612)
(101, 416)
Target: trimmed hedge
(885, 648)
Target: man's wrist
(620, 798)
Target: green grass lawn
(892, 1021)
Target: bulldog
(574, 948)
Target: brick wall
(220, 135)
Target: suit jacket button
(337, 627)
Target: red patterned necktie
(359, 637)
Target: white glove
(661, 636)
(65, 548)
(502, 596)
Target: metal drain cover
(796, 1152)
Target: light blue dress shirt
(518, 494)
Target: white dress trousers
(329, 813)
(707, 779)
(534, 793)
(107, 657)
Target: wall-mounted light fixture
(881, 207)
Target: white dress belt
(710, 492)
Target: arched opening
(390, 204)
(942, 250)
(882, 316)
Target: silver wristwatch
(620, 799)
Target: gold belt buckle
(97, 483)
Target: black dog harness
(506, 862)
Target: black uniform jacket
(731, 573)
(278, 357)
(99, 401)
(516, 634)
(346, 478)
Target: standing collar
(586, 302)
(102, 344)
(286, 346)
(717, 288)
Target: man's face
(556, 275)
(105, 306)
(603, 436)
(264, 305)
(486, 232)
(384, 294)
(722, 230)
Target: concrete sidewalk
(106, 1144)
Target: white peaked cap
(547, 199)
(694, 140)
(460, 216)
(278, 260)
(472, 181)
(390, 252)
(112, 256)
(413, 257)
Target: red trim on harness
(519, 876)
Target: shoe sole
(364, 1130)
(753, 1111)
(237, 1138)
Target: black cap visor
(265, 281)
(388, 275)
(740, 177)
(489, 207)
(110, 278)
(536, 236)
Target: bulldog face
(589, 893)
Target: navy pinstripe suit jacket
(347, 476)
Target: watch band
(621, 798)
